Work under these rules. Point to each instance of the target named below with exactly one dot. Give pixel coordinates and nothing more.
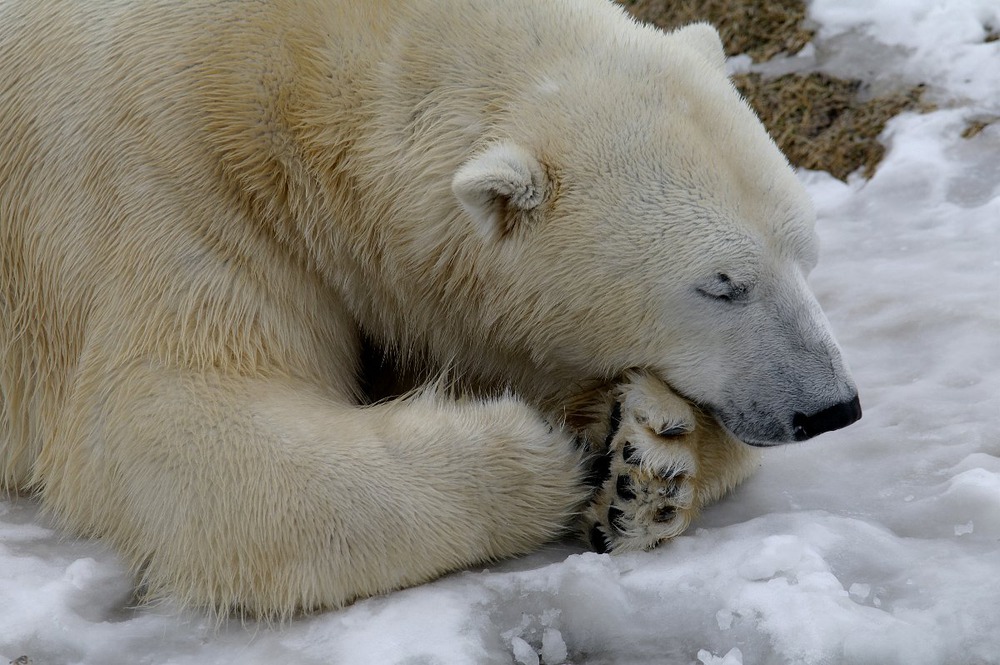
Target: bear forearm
(276, 500)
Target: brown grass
(819, 121)
(976, 125)
(759, 28)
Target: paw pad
(664, 514)
(623, 488)
(598, 541)
(646, 487)
(600, 470)
(616, 519)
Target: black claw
(630, 454)
(614, 422)
(600, 469)
(664, 514)
(623, 488)
(616, 518)
(672, 431)
(672, 476)
(598, 540)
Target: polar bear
(208, 210)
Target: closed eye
(722, 288)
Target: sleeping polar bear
(206, 208)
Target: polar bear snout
(798, 399)
(831, 418)
(765, 429)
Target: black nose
(827, 420)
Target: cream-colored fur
(205, 205)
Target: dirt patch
(760, 28)
(820, 122)
(975, 126)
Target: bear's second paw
(647, 494)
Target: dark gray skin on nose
(829, 419)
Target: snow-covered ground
(878, 544)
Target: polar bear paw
(646, 476)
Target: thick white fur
(203, 205)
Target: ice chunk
(859, 591)
(553, 647)
(733, 657)
(523, 653)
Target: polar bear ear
(499, 187)
(704, 39)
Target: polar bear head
(633, 212)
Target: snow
(878, 544)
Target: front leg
(660, 462)
(270, 496)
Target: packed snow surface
(878, 544)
